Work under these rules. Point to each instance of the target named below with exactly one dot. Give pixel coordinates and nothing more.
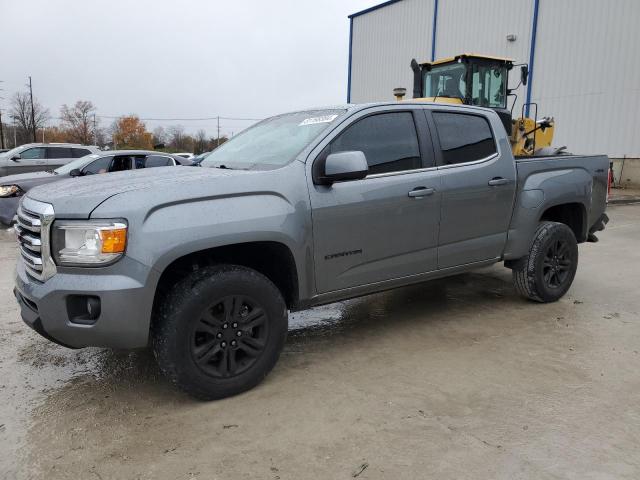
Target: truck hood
(78, 197)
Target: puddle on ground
(40, 378)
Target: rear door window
(151, 161)
(80, 152)
(388, 140)
(58, 152)
(463, 137)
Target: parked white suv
(35, 157)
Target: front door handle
(494, 182)
(421, 192)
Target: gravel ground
(454, 379)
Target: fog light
(93, 308)
(83, 309)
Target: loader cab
(467, 79)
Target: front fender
(171, 230)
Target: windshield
(77, 163)
(272, 143)
(445, 81)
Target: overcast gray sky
(188, 58)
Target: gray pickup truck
(302, 209)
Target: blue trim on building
(375, 7)
(532, 54)
(433, 30)
(350, 52)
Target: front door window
(36, 153)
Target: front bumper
(126, 292)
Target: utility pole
(1, 131)
(218, 137)
(1, 126)
(33, 114)
(95, 133)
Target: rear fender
(540, 192)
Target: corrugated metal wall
(587, 58)
(484, 30)
(587, 74)
(383, 43)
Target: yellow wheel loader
(482, 80)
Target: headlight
(9, 190)
(86, 243)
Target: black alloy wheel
(547, 272)
(219, 331)
(556, 267)
(229, 336)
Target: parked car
(197, 160)
(185, 155)
(301, 209)
(37, 157)
(13, 187)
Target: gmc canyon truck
(302, 209)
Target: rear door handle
(421, 192)
(494, 182)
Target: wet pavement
(457, 378)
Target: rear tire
(548, 271)
(220, 331)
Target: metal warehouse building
(583, 56)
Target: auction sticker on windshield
(315, 120)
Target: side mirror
(524, 74)
(344, 166)
(15, 158)
(75, 173)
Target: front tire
(220, 331)
(549, 269)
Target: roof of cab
(468, 55)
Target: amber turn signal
(113, 241)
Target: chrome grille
(33, 226)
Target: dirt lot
(454, 379)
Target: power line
(184, 119)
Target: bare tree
(175, 135)
(159, 136)
(80, 122)
(200, 142)
(20, 113)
